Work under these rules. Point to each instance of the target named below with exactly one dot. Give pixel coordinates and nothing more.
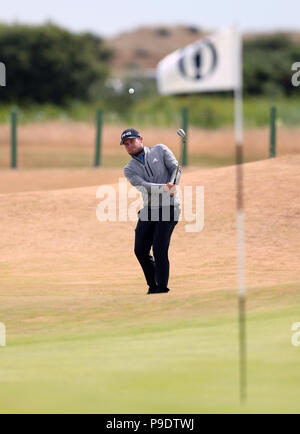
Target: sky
(111, 17)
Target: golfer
(152, 170)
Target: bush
(267, 65)
(205, 111)
(163, 31)
(50, 64)
(193, 29)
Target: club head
(181, 133)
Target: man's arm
(140, 184)
(171, 164)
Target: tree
(267, 64)
(50, 64)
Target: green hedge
(204, 111)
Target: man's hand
(171, 188)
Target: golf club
(182, 134)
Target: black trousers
(155, 232)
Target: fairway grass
(137, 353)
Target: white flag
(210, 64)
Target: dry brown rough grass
(71, 144)
(51, 241)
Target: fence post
(273, 113)
(97, 161)
(13, 122)
(185, 125)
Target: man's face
(133, 146)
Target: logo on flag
(211, 64)
(200, 62)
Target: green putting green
(148, 354)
